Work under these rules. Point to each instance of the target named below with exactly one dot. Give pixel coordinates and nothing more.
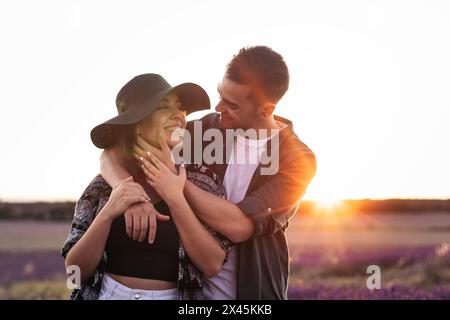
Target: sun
(328, 204)
(329, 207)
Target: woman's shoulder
(92, 199)
(97, 187)
(96, 190)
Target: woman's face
(169, 118)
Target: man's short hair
(263, 69)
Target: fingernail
(148, 153)
(140, 158)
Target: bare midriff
(143, 284)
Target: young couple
(147, 228)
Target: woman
(113, 265)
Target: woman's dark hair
(126, 137)
(263, 69)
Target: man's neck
(269, 124)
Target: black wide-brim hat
(139, 97)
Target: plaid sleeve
(86, 209)
(206, 179)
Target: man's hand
(140, 217)
(142, 149)
(124, 195)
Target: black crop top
(128, 257)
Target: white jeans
(113, 290)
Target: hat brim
(192, 96)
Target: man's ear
(266, 110)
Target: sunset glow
(368, 92)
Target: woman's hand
(143, 149)
(125, 194)
(168, 184)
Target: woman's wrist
(104, 215)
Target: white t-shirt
(245, 158)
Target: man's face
(236, 110)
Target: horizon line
(18, 200)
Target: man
(258, 208)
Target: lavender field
(329, 257)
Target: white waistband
(112, 289)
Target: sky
(369, 90)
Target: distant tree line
(63, 211)
(401, 205)
(383, 206)
(49, 211)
